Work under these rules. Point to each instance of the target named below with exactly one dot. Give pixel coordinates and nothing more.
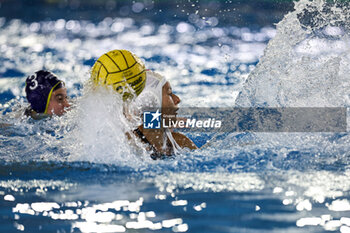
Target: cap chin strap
(49, 97)
(176, 146)
(151, 98)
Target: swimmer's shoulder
(29, 112)
(4, 125)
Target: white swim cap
(151, 96)
(151, 99)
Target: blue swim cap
(39, 87)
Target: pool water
(77, 173)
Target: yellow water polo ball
(122, 70)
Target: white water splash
(99, 131)
(307, 63)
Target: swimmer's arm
(183, 141)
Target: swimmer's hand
(183, 141)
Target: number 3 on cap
(34, 82)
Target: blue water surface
(76, 174)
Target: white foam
(100, 130)
(303, 66)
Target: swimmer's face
(58, 102)
(169, 100)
